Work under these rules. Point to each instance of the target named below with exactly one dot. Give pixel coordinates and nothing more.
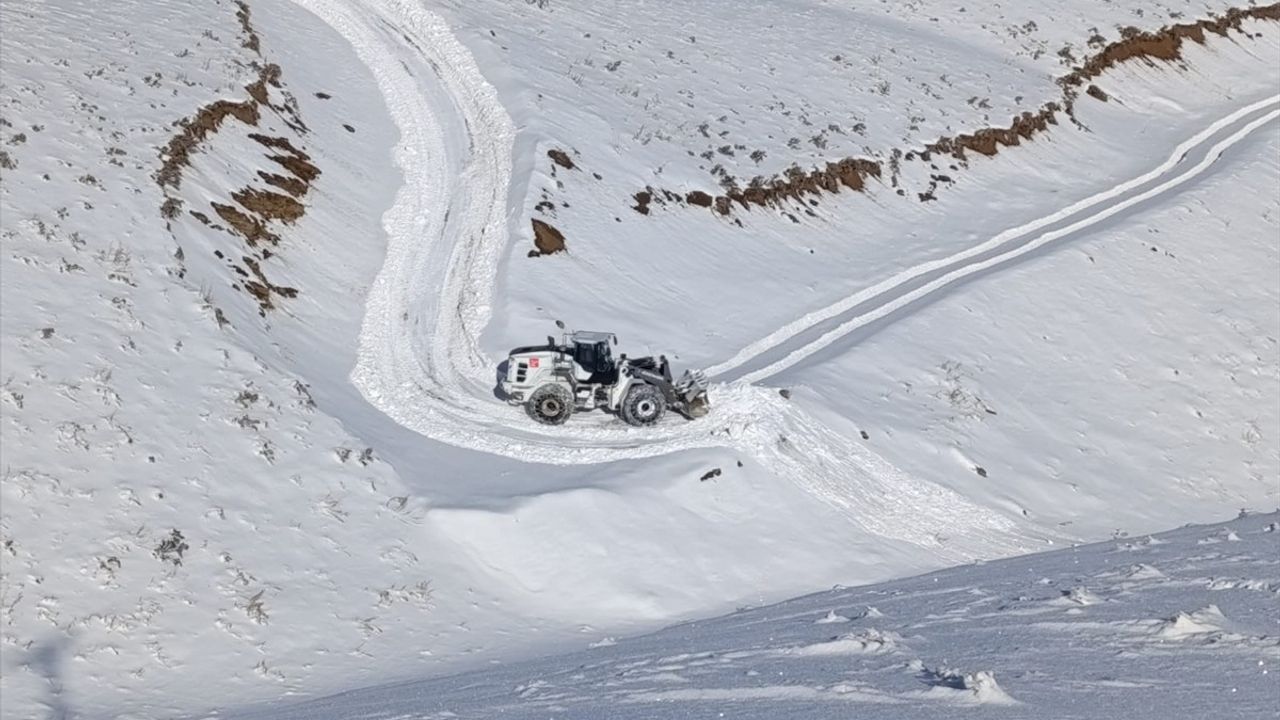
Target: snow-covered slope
(1180, 624)
(261, 260)
(679, 98)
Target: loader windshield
(593, 357)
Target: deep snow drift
(262, 259)
(1180, 624)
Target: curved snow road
(419, 360)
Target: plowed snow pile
(262, 260)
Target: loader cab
(593, 354)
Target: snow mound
(1226, 535)
(1077, 596)
(1240, 584)
(831, 617)
(865, 640)
(978, 688)
(1143, 571)
(1189, 625)
(1142, 544)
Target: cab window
(592, 357)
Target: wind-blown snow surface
(1180, 624)
(354, 506)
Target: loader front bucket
(692, 391)
(698, 406)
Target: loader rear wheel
(550, 404)
(643, 405)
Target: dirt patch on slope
(643, 198)
(252, 229)
(1166, 43)
(246, 28)
(987, 141)
(263, 289)
(546, 239)
(560, 158)
(268, 75)
(795, 183)
(252, 211)
(1163, 45)
(269, 205)
(799, 187)
(176, 155)
(291, 185)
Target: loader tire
(550, 404)
(643, 405)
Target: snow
(889, 296)
(1074, 340)
(992, 635)
(541, 53)
(1065, 415)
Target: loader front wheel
(550, 404)
(643, 405)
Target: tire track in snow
(916, 283)
(419, 361)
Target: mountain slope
(262, 260)
(1179, 624)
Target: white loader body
(554, 380)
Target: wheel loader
(579, 373)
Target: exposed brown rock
(253, 230)
(643, 198)
(987, 141)
(170, 208)
(176, 155)
(296, 162)
(269, 205)
(547, 239)
(699, 198)
(302, 169)
(795, 183)
(250, 37)
(258, 207)
(851, 173)
(263, 289)
(292, 185)
(1164, 44)
(279, 143)
(268, 75)
(561, 158)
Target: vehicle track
(419, 360)
(819, 329)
